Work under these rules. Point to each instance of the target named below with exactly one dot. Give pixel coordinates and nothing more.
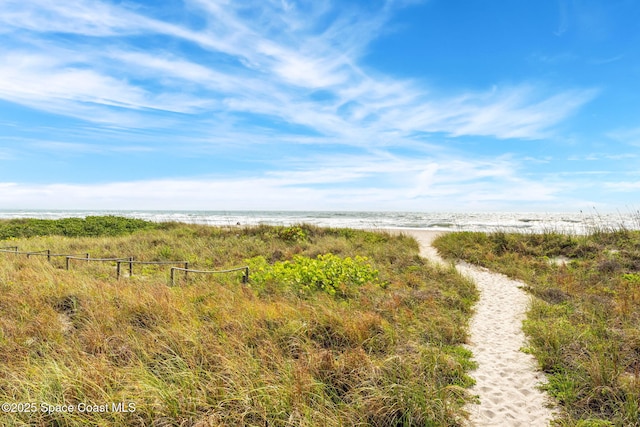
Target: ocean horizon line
(577, 222)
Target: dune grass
(584, 325)
(89, 226)
(336, 327)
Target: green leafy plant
(295, 233)
(632, 278)
(328, 273)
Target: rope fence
(131, 262)
(245, 276)
(87, 259)
(45, 252)
(119, 261)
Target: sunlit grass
(213, 351)
(584, 327)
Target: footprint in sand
(506, 378)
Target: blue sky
(436, 105)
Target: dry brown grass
(215, 352)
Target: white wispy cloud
(602, 156)
(630, 136)
(5, 155)
(63, 86)
(623, 186)
(85, 17)
(563, 24)
(262, 74)
(366, 182)
(265, 58)
(83, 148)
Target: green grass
(584, 327)
(382, 349)
(89, 226)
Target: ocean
(533, 222)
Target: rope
(129, 260)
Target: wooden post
(130, 266)
(67, 263)
(118, 269)
(173, 283)
(49, 255)
(186, 267)
(245, 277)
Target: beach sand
(506, 378)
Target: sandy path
(506, 378)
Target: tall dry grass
(584, 325)
(215, 352)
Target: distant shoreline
(578, 223)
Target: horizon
(386, 106)
(593, 212)
(518, 222)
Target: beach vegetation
(335, 327)
(327, 273)
(583, 325)
(73, 227)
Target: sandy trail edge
(506, 378)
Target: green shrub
(328, 273)
(91, 226)
(295, 233)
